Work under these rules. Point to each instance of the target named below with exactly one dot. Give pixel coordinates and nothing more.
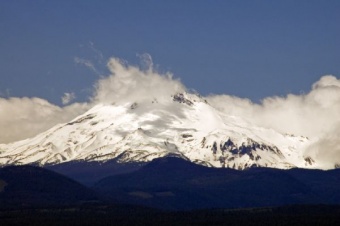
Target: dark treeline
(130, 215)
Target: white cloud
(67, 98)
(307, 114)
(327, 148)
(129, 83)
(21, 118)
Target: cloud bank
(308, 114)
(315, 114)
(21, 118)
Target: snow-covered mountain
(184, 125)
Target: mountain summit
(183, 125)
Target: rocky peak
(188, 98)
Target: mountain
(29, 186)
(183, 125)
(175, 184)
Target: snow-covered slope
(184, 125)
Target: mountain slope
(172, 183)
(184, 125)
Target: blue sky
(251, 49)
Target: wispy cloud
(145, 61)
(67, 98)
(6, 93)
(86, 63)
(96, 60)
(98, 54)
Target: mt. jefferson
(183, 125)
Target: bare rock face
(180, 98)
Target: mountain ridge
(175, 184)
(28, 186)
